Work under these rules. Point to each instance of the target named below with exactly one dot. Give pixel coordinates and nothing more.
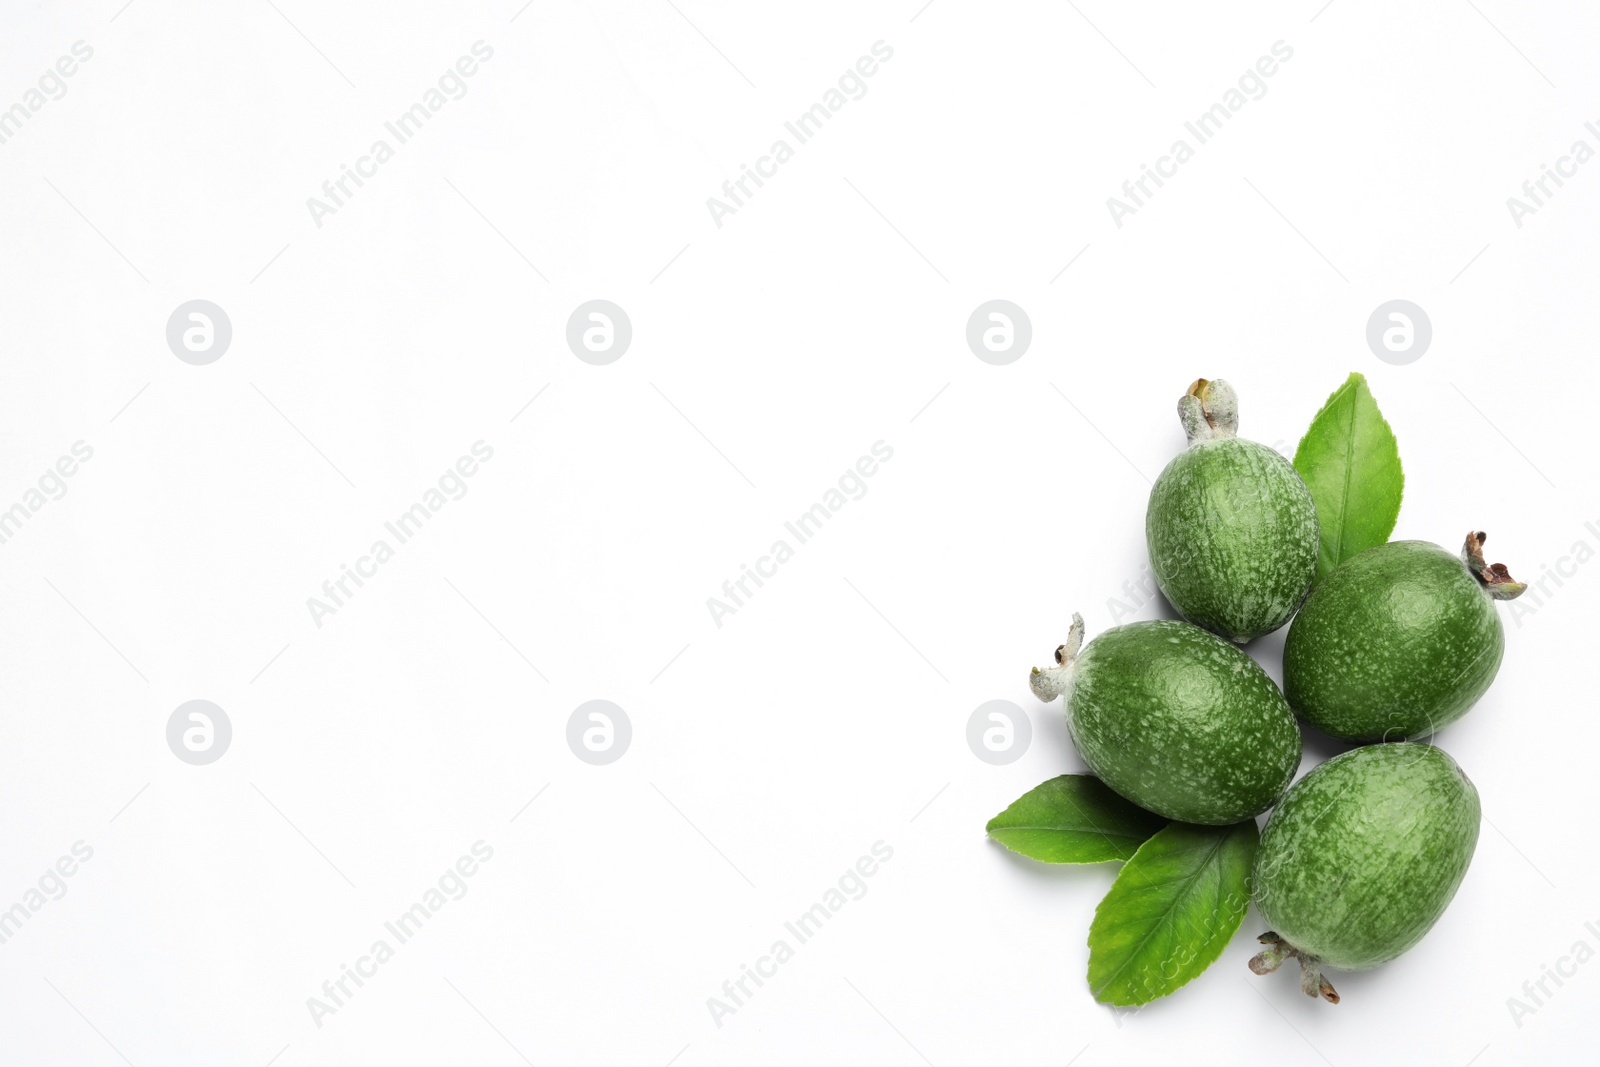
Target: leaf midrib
(1349, 465)
(1129, 957)
(1076, 830)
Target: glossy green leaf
(1351, 462)
(1171, 911)
(1075, 818)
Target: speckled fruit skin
(1181, 723)
(1362, 856)
(1395, 643)
(1233, 537)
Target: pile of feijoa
(1189, 740)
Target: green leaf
(1075, 818)
(1350, 460)
(1171, 911)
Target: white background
(827, 314)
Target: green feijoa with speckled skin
(1231, 527)
(1397, 641)
(1176, 720)
(1360, 859)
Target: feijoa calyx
(1175, 719)
(1397, 641)
(1360, 858)
(1231, 527)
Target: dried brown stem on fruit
(1495, 578)
(1313, 983)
